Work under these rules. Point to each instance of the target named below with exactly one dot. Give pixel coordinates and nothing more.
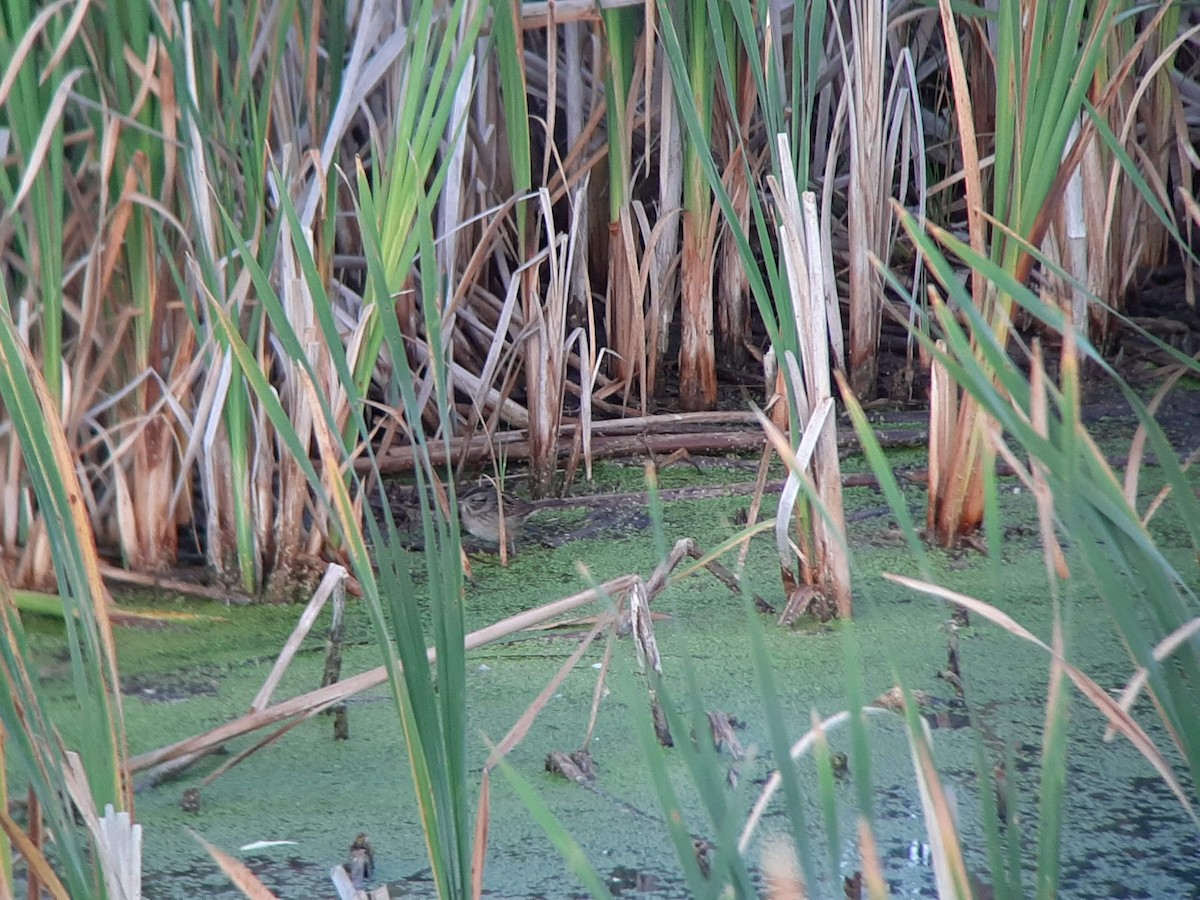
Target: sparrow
(362, 860)
(479, 512)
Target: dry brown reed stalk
(146, 510)
(542, 343)
(1108, 93)
(1136, 111)
(1163, 651)
(40, 874)
(959, 497)
(1106, 231)
(943, 413)
(501, 324)
(484, 395)
(732, 287)
(1055, 561)
(110, 349)
(483, 320)
(1164, 144)
(628, 58)
(576, 175)
(962, 508)
(331, 584)
(663, 252)
(599, 692)
(965, 114)
(625, 317)
(701, 216)
(294, 540)
(822, 530)
(760, 485)
(1070, 237)
(697, 352)
(1137, 446)
(867, 205)
(545, 357)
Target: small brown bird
(190, 803)
(362, 860)
(479, 511)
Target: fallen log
(606, 446)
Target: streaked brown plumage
(479, 512)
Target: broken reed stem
(332, 584)
(305, 704)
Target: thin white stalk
(1074, 242)
(664, 276)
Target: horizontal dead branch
(607, 446)
(185, 584)
(537, 15)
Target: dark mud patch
(173, 687)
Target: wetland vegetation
(842, 355)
